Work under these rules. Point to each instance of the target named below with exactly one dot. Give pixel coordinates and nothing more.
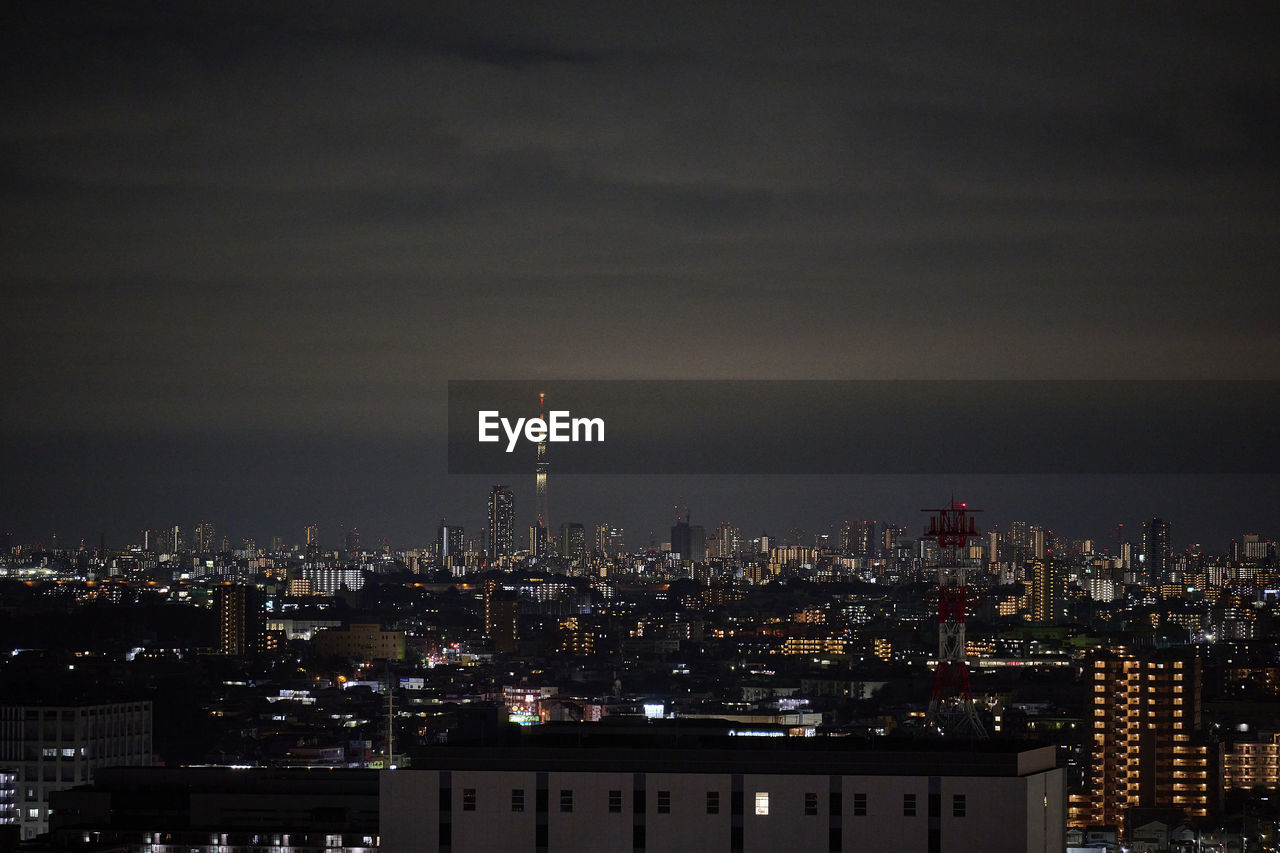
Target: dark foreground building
(582, 791)
(797, 797)
(219, 810)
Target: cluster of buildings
(1125, 689)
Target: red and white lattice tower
(951, 706)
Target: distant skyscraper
(538, 543)
(573, 540)
(451, 544)
(1039, 543)
(729, 539)
(689, 541)
(353, 542)
(860, 539)
(502, 517)
(1157, 553)
(242, 620)
(312, 547)
(205, 542)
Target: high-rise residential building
(601, 544)
(502, 517)
(1157, 553)
(242, 620)
(1039, 543)
(1048, 592)
(311, 550)
(861, 539)
(729, 539)
(501, 616)
(1146, 750)
(46, 748)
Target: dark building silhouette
(1157, 553)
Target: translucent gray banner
(864, 427)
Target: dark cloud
(283, 216)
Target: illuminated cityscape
(298, 297)
(1154, 691)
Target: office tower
(541, 517)
(689, 541)
(1048, 593)
(451, 544)
(277, 544)
(352, 542)
(242, 620)
(204, 536)
(1039, 543)
(573, 540)
(1146, 750)
(52, 748)
(169, 540)
(502, 517)
(1157, 553)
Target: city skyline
(248, 246)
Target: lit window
(762, 802)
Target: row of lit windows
(959, 804)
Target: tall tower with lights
(951, 705)
(541, 519)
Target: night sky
(245, 246)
